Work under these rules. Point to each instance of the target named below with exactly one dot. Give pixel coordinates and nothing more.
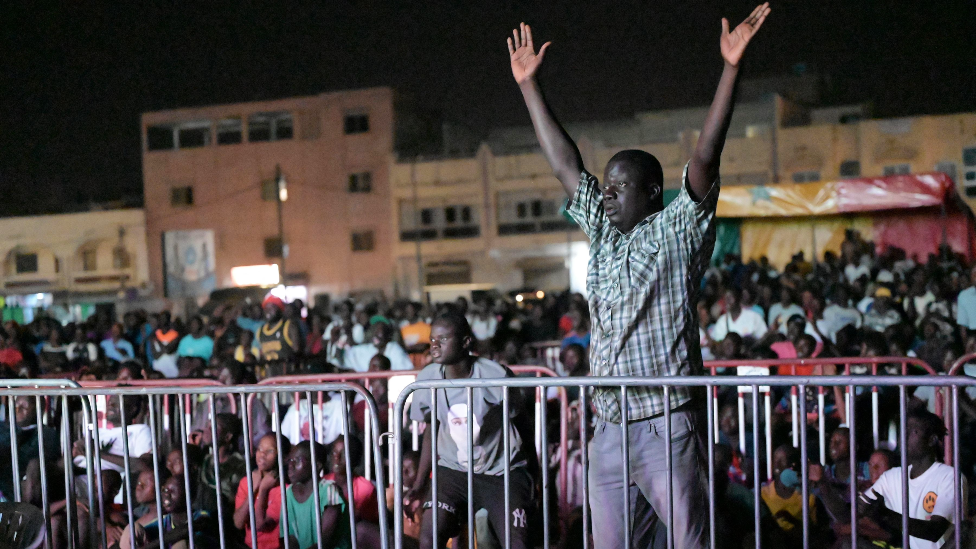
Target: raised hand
(525, 61)
(733, 43)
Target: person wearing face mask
(782, 500)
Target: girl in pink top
(267, 497)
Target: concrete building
(70, 262)
(211, 187)
(494, 219)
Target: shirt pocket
(641, 263)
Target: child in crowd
(145, 495)
(267, 496)
(364, 499)
(302, 473)
(782, 501)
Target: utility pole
(416, 240)
(281, 194)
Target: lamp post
(281, 195)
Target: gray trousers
(648, 477)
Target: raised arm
(703, 169)
(560, 151)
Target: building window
(182, 196)
(26, 263)
(192, 135)
(121, 259)
(89, 260)
(466, 214)
(806, 177)
(897, 169)
(520, 213)
(272, 247)
(270, 126)
(230, 131)
(850, 168)
(427, 216)
(448, 222)
(160, 138)
(362, 241)
(356, 123)
(361, 182)
(969, 165)
(948, 168)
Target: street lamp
(281, 195)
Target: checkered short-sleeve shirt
(642, 288)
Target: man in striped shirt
(646, 265)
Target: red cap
(274, 300)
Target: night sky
(76, 76)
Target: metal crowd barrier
(540, 401)
(788, 366)
(667, 385)
(65, 390)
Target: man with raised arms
(645, 268)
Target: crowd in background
(859, 303)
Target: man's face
(917, 444)
(338, 457)
(112, 413)
(731, 301)
(25, 410)
(171, 494)
(627, 195)
(174, 462)
(840, 446)
(446, 347)
(781, 462)
(271, 312)
(299, 466)
(382, 336)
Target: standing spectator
(196, 343)
(115, 347)
(279, 338)
(451, 342)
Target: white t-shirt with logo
(932, 493)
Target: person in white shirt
(80, 348)
(931, 490)
(781, 311)
(357, 357)
(853, 272)
(745, 322)
(110, 439)
(839, 314)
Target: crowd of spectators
(856, 304)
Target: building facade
(70, 262)
(213, 177)
(496, 219)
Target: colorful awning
(835, 197)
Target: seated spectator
(364, 498)
(110, 439)
(196, 343)
(839, 313)
(411, 522)
(27, 432)
(52, 354)
(377, 387)
(745, 322)
(175, 466)
(734, 503)
(80, 349)
(415, 331)
(484, 324)
(580, 332)
(782, 310)
(163, 346)
(783, 502)
(296, 426)
(931, 489)
(246, 351)
(116, 519)
(231, 464)
(116, 348)
(267, 496)
(302, 473)
(883, 312)
(145, 496)
(357, 358)
(881, 460)
(174, 521)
